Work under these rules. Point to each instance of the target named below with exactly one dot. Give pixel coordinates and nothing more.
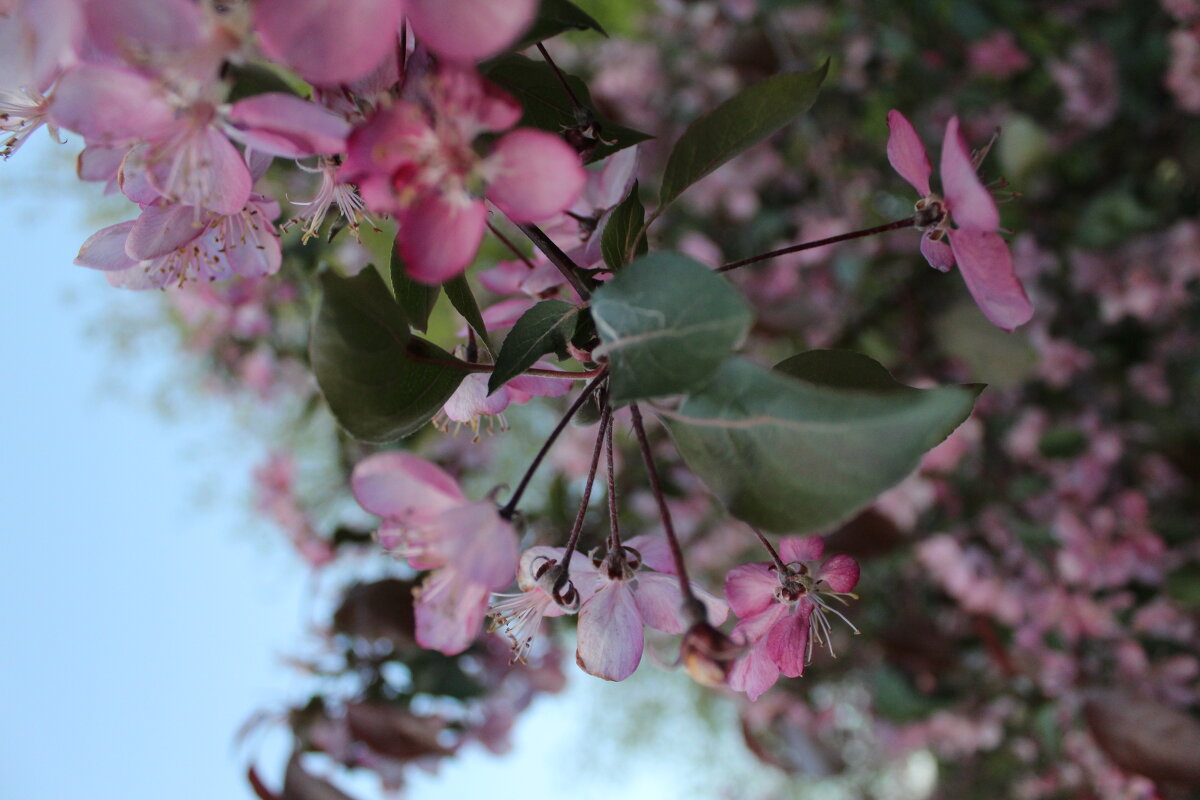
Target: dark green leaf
(458, 290)
(379, 380)
(546, 103)
(624, 224)
(416, 299)
(666, 324)
(736, 125)
(805, 446)
(380, 243)
(545, 328)
(253, 78)
(555, 17)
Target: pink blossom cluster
(394, 121)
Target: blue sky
(146, 612)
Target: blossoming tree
(352, 163)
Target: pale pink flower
(470, 548)
(546, 591)
(975, 245)
(776, 610)
(471, 403)
(625, 598)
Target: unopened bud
(708, 655)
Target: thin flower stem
(568, 268)
(575, 104)
(510, 507)
(504, 240)
(614, 536)
(685, 588)
(770, 549)
(573, 539)
(908, 222)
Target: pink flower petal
(787, 641)
(537, 175)
(37, 38)
(478, 543)
(164, 228)
(469, 30)
(284, 125)
(754, 672)
(117, 28)
(986, 265)
(938, 254)
(200, 167)
(750, 588)
(400, 486)
(840, 572)
(449, 612)
(506, 313)
(133, 177)
(476, 104)
(610, 637)
(105, 249)
(971, 205)
(659, 601)
(439, 239)
(328, 41)
(613, 182)
(248, 239)
(98, 163)
(523, 387)
(655, 552)
(801, 548)
(907, 154)
(109, 105)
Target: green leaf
(260, 77)
(376, 376)
(666, 324)
(621, 230)
(380, 243)
(545, 328)
(736, 125)
(806, 445)
(547, 105)
(416, 299)
(555, 17)
(458, 290)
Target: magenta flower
(982, 256)
(624, 599)
(427, 520)
(776, 610)
(418, 162)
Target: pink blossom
(776, 610)
(427, 519)
(417, 161)
(982, 256)
(171, 245)
(471, 402)
(546, 591)
(339, 41)
(623, 598)
(997, 55)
